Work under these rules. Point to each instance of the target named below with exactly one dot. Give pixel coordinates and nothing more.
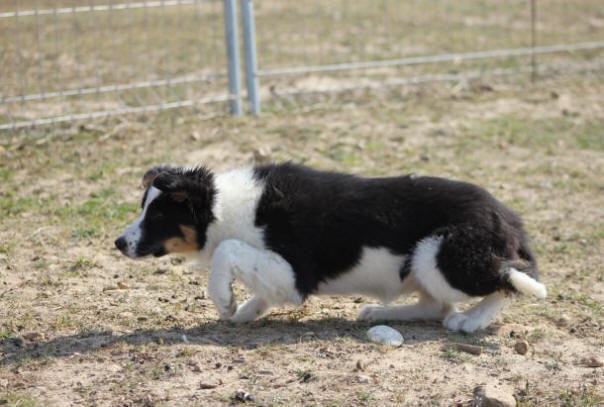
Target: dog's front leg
(268, 275)
(221, 278)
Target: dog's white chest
(377, 275)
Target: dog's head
(176, 211)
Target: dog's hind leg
(265, 273)
(426, 308)
(477, 317)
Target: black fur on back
(320, 221)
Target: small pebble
(563, 321)
(306, 377)
(592, 361)
(507, 330)
(491, 396)
(362, 379)
(521, 347)
(385, 335)
(242, 396)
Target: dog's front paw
(461, 322)
(370, 313)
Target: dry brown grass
(69, 335)
(69, 338)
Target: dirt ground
(82, 325)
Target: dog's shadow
(243, 336)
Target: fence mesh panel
(75, 59)
(319, 45)
(64, 60)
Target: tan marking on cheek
(181, 245)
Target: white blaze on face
(133, 233)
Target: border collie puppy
(288, 231)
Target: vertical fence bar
(249, 54)
(533, 40)
(232, 45)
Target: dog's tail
(524, 279)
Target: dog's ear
(175, 184)
(195, 186)
(152, 173)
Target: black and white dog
(288, 231)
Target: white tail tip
(526, 284)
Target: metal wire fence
(318, 46)
(66, 60)
(76, 59)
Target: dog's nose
(121, 243)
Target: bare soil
(82, 325)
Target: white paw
(246, 313)
(226, 311)
(240, 317)
(461, 322)
(370, 313)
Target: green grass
(454, 356)
(585, 396)
(14, 399)
(528, 132)
(588, 396)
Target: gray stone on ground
(385, 335)
(491, 396)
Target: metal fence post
(232, 45)
(249, 54)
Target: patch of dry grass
(82, 325)
(71, 335)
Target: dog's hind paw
(371, 313)
(225, 312)
(461, 322)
